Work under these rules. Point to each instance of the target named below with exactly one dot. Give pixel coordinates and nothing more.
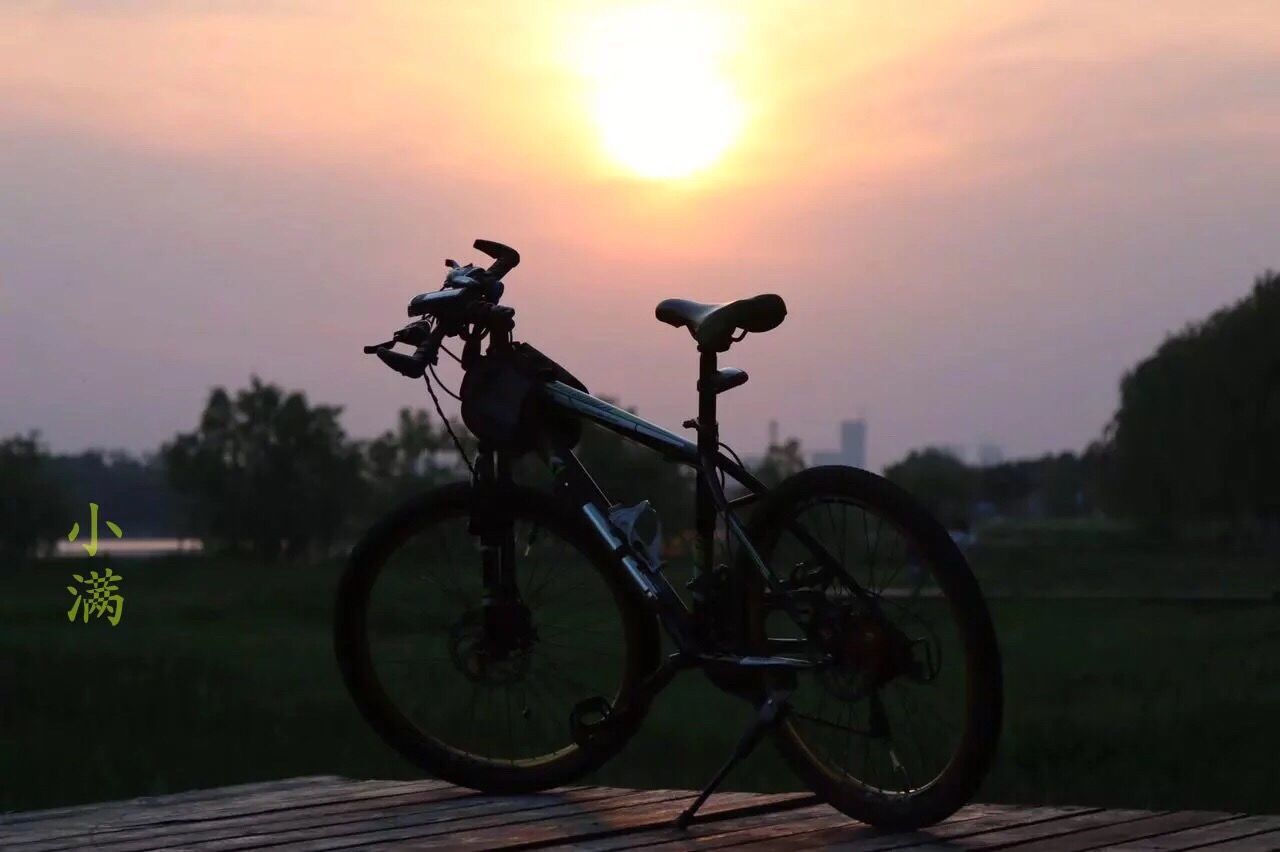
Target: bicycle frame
(722, 630)
(575, 483)
(704, 456)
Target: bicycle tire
(430, 750)
(975, 749)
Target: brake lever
(415, 333)
(412, 366)
(373, 350)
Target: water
(130, 546)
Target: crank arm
(593, 717)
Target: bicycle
(458, 653)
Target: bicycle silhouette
(510, 639)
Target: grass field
(222, 673)
(1084, 557)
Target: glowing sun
(662, 104)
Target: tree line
(1195, 442)
(1193, 449)
(1056, 485)
(266, 472)
(1196, 439)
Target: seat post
(707, 426)
(708, 446)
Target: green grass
(1087, 558)
(222, 673)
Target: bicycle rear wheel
(482, 703)
(899, 725)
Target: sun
(663, 106)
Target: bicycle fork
(506, 620)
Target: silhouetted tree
(780, 461)
(416, 455)
(1195, 437)
(1060, 485)
(133, 491)
(34, 510)
(266, 471)
(942, 482)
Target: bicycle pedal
(589, 718)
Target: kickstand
(769, 714)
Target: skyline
(982, 222)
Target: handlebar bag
(501, 404)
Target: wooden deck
(336, 813)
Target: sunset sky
(979, 214)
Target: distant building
(853, 446)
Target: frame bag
(502, 404)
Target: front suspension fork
(491, 521)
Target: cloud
(980, 221)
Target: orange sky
(978, 220)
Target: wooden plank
(1017, 834)
(135, 813)
(164, 810)
(1268, 842)
(136, 838)
(1217, 833)
(587, 826)
(768, 826)
(864, 837)
(1151, 826)
(159, 807)
(704, 835)
(186, 796)
(364, 833)
(496, 811)
(331, 813)
(433, 807)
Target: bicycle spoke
(435, 656)
(914, 739)
(817, 720)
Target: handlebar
(466, 284)
(505, 258)
(469, 297)
(496, 319)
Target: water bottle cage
(627, 520)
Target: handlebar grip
(505, 258)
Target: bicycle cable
(728, 536)
(440, 381)
(733, 453)
(448, 428)
(449, 352)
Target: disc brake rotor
(484, 658)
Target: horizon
(985, 221)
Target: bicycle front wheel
(479, 698)
(897, 723)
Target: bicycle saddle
(714, 326)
